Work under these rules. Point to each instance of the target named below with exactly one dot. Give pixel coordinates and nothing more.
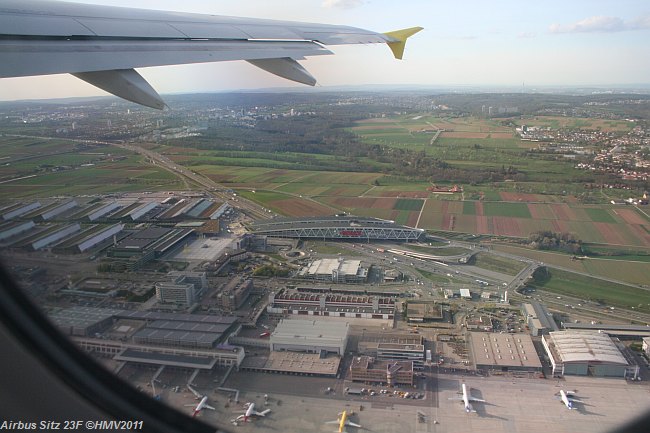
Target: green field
(408, 204)
(497, 263)
(519, 210)
(594, 289)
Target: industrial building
(393, 347)
(504, 352)
(145, 245)
(13, 228)
(414, 353)
(391, 373)
(50, 211)
(621, 331)
(585, 353)
(302, 364)
(102, 210)
(423, 311)
(337, 270)
(18, 209)
(331, 304)
(235, 293)
(89, 237)
(82, 321)
(176, 293)
(337, 227)
(53, 235)
(310, 336)
(538, 318)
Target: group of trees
(303, 141)
(547, 240)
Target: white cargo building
(311, 336)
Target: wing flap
(28, 57)
(285, 67)
(125, 83)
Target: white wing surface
(102, 44)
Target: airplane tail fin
(399, 38)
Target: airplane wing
(208, 407)
(351, 424)
(478, 400)
(102, 44)
(263, 413)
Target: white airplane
(203, 403)
(251, 412)
(467, 398)
(103, 44)
(343, 421)
(567, 398)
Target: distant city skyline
(473, 43)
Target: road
(214, 189)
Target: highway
(212, 188)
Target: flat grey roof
(178, 336)
(197, 318)
(80, 317)
(132, 355)
(174, 325)
(293, 362)
(295, 328)
(504, 350)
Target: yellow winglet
(400, 36)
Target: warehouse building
(391, 373)
(585, 353)
(12, 228)
(19, 209)
(102, 211)
(310, 336)
(504, 352)
(82, 321)
(54, 235)
(53, 210)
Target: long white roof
(572, 346)
(296, 330)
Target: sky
(464, 43)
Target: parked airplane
(251, 412)
(467, 398)
(342, 422)
(567, 398)
(102, 44)
(203, 403)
